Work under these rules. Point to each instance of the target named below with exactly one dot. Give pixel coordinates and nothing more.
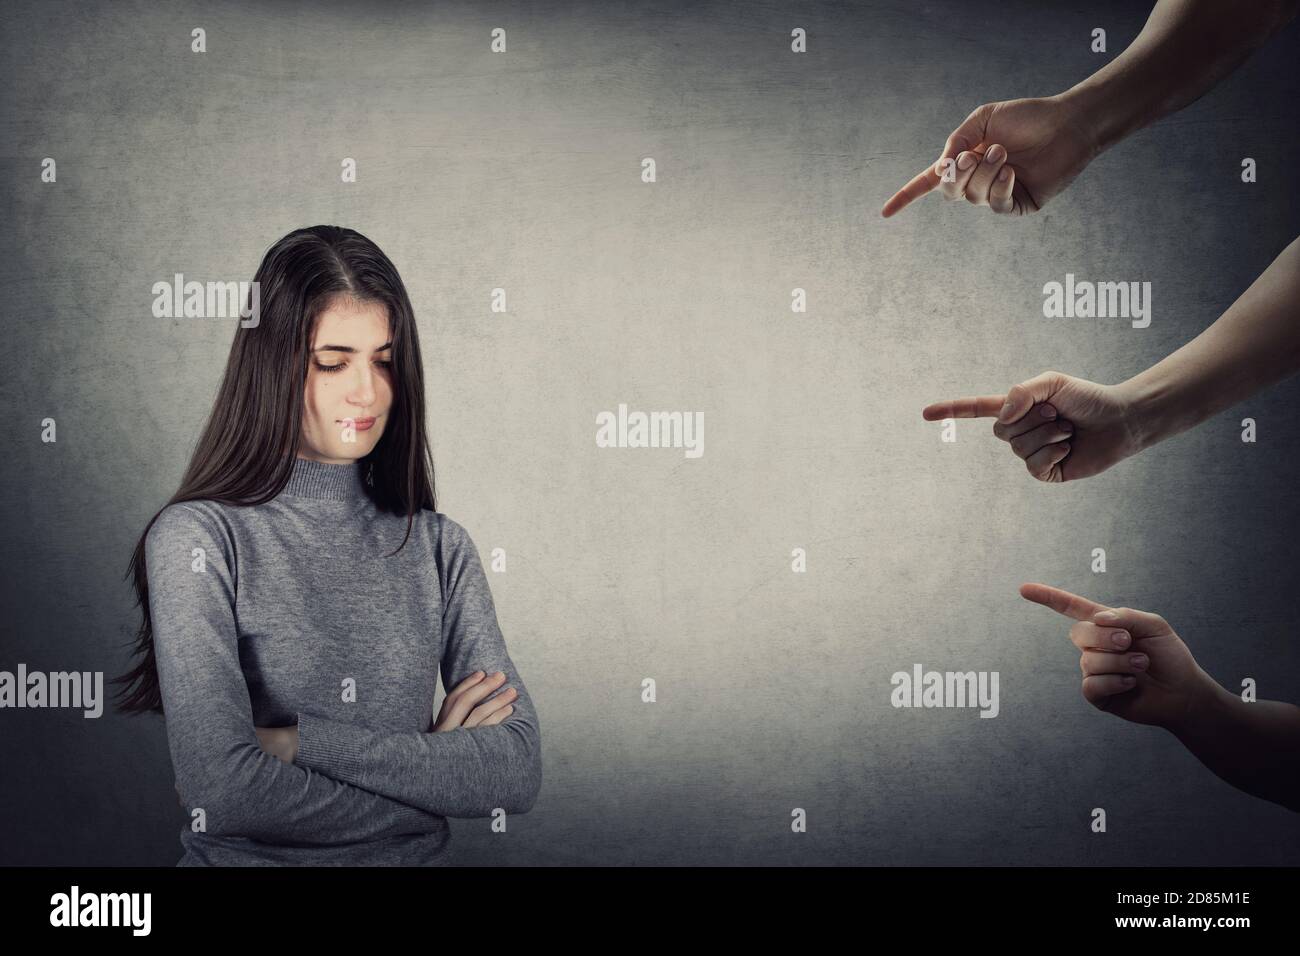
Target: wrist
(1081, 112)
(1150, 406)
(1104, 110)
(1204, 705)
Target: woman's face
(349, 382)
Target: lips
(361, 424)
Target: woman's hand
(280, 742)
(459, 710)
(1134, 665)
(1063, 428)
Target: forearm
(220, 769)
(249, 793)
(467, 772)
(1185, 48)
(1253, 345)
(1253, 746)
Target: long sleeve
(219, 765)
(466, 772)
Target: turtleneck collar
(316, 479)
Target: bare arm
(1253, 746)
(1185, 49)
(1253, 345)
(1015, 155)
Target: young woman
(300, 591)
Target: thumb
(1137, 623)
(1021, 398)
(969, 134)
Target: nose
(363, 390)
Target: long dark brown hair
(246, 453)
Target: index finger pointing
(1063, 602)
(980, 406)
(921, 184)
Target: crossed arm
(464, 772)
(246, 791)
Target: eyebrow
(349, 349)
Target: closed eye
(386, 363)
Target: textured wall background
(522, 171)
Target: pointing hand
(1011, 156)
(1064, 428)
(1134, 665)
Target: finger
(1031, 421)
(921, 184)
(1042, 463)
(476, 692)
(981, 406)
(969, 134)
(1099, 688)
(1105, 662)
(499, 716)
(1000, 199)
(954, 182)
(1138, 623)
(966, 136)
(466, 700)
(472, 679)
(1021, 398)
(480, 713)
(1087, 636)
(1026, 445)
(490, 707)
(982, 177)
(1062, 602)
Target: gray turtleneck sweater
(289, 611)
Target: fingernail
(1047, 411)
(478, 673)
(965, 161)
(1119, 638)
(1065, 447)
(1003, 174)
(1106, 616)
(1005, 408)
(994, 155)
(1139, 661)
